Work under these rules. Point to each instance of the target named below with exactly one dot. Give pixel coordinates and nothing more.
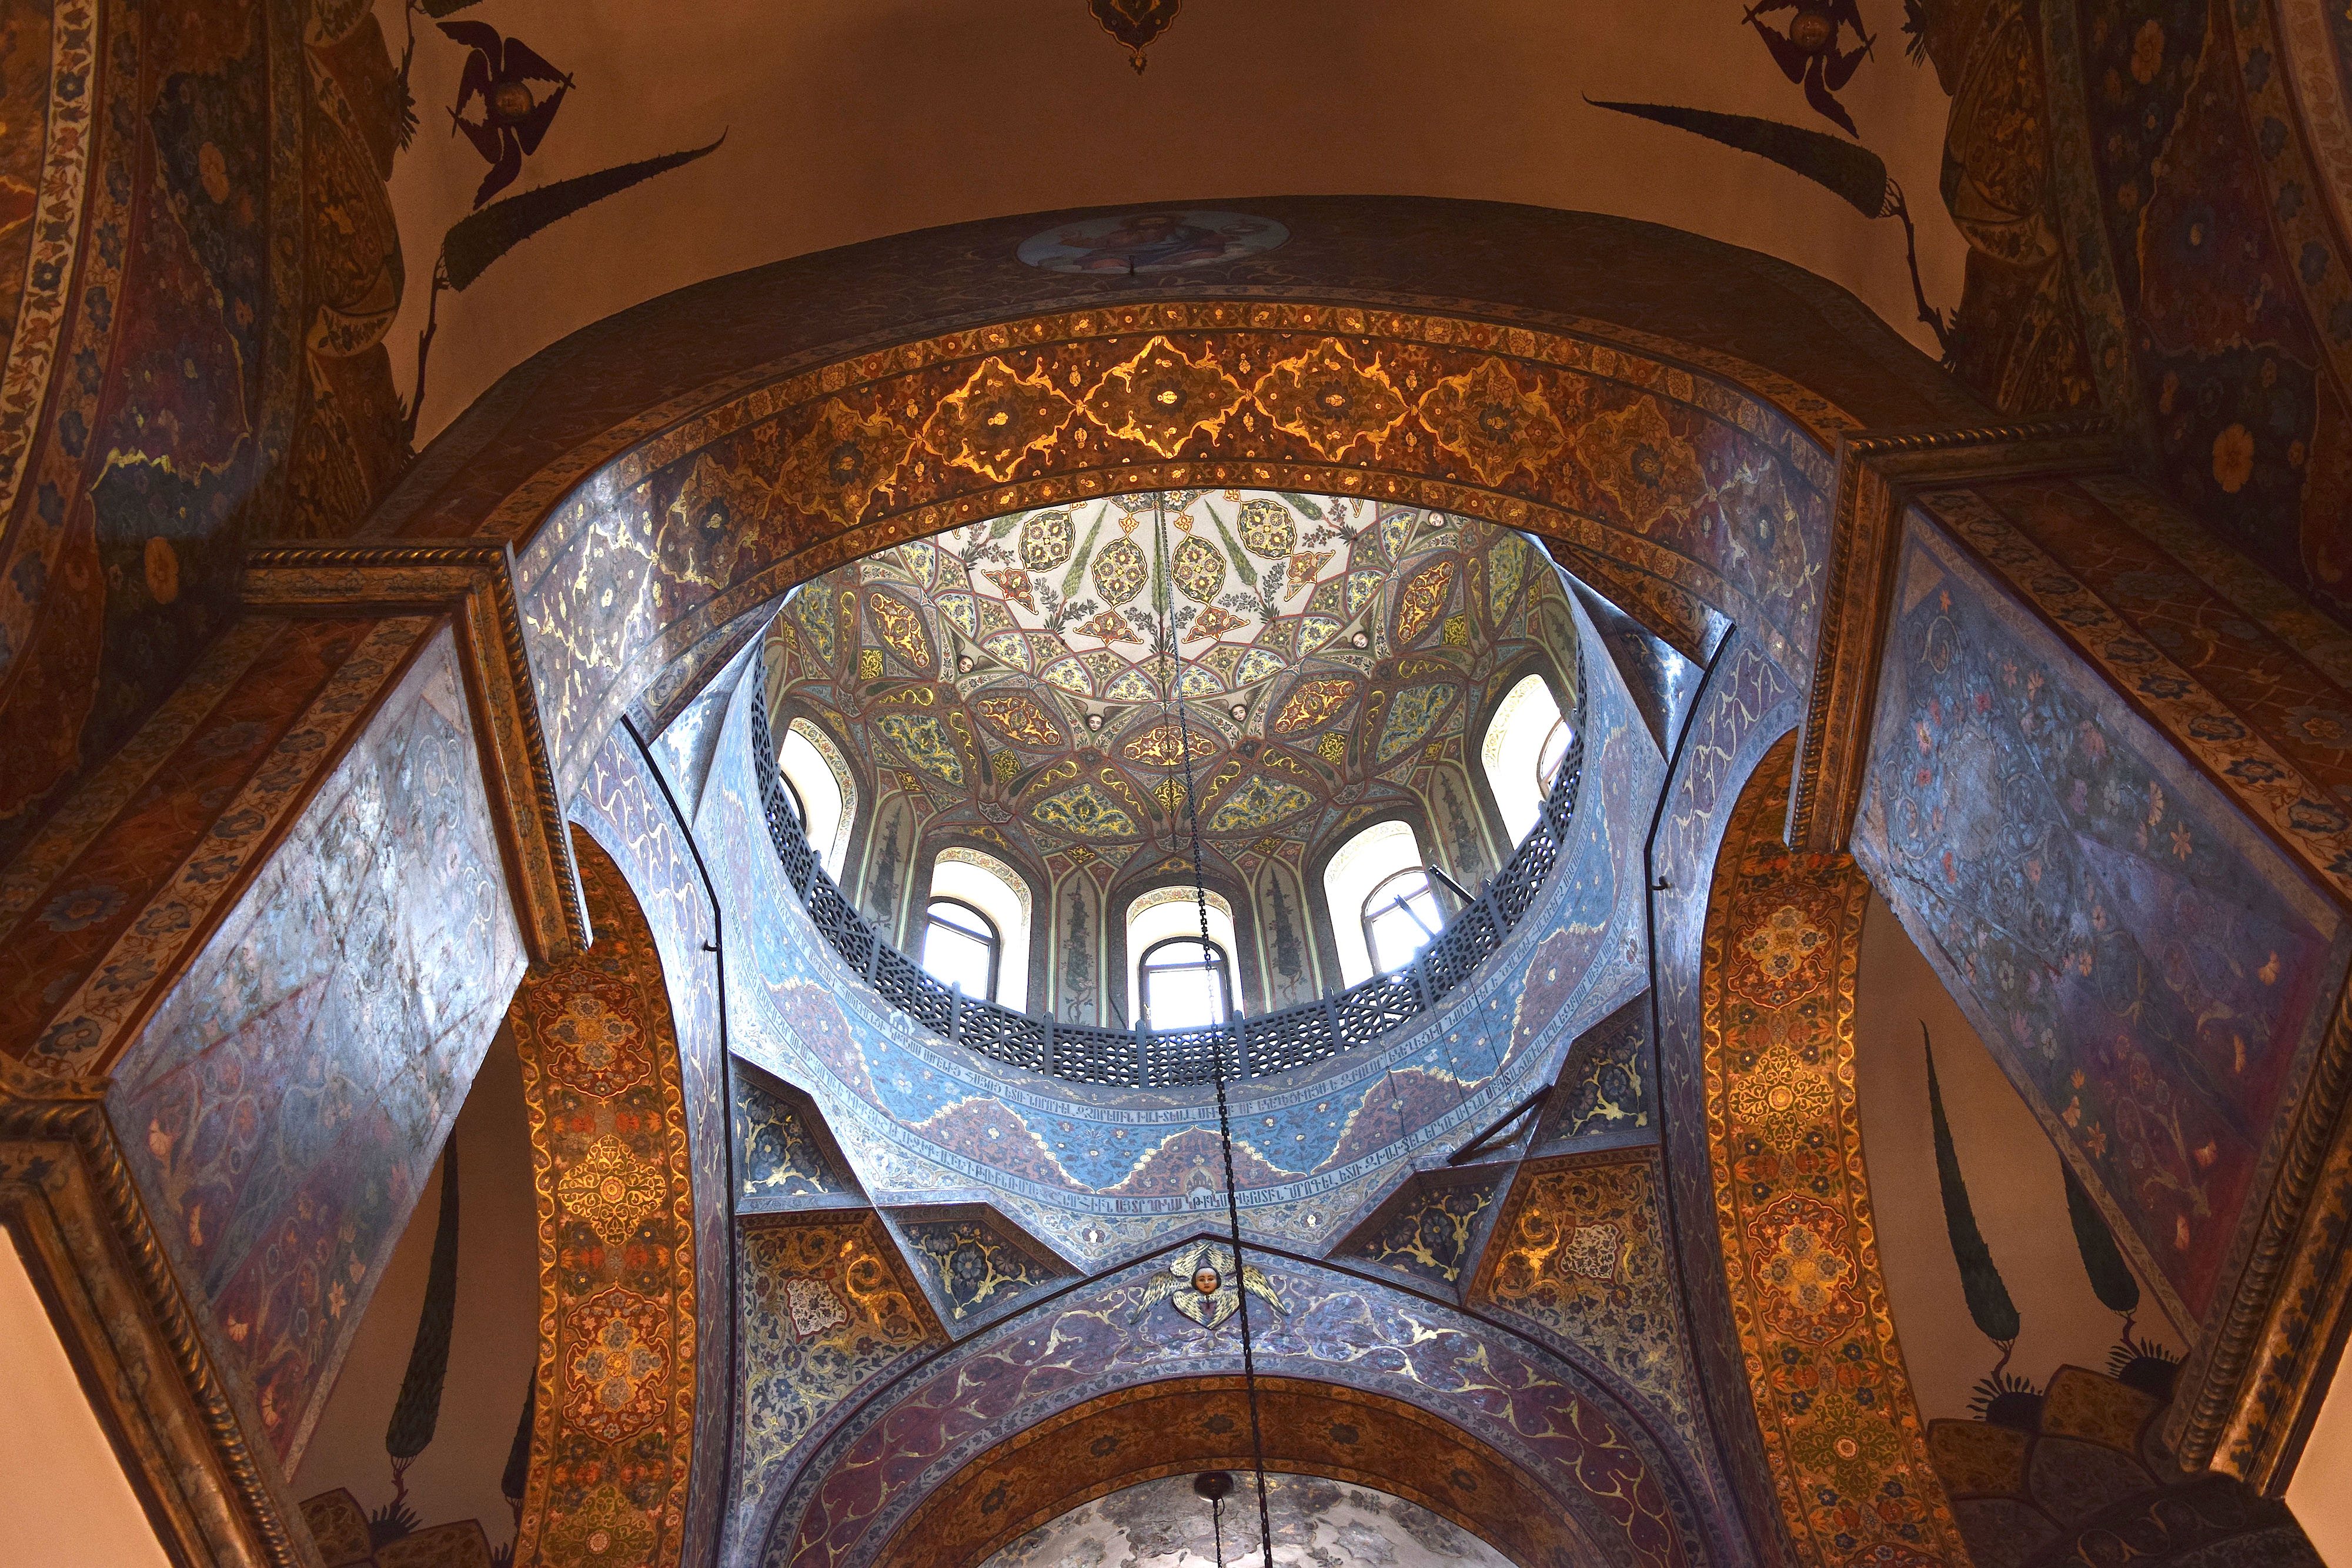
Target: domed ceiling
(1016, 676)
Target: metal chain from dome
(1172, 673)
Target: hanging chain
(1249, 1357)
(1171, 671)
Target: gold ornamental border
(634, 447)
(1826, 1103)
(667, 1524)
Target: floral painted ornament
(611, 1190)
(1784, 955)
(606, 1529)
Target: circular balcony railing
(1239, 1048)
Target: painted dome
(1013, 677)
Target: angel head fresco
(514, 118)
(1200, 1282)
(1807, 50)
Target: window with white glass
(1401, 917)
(984, 888)
(1378, 857)
(1173, 913)
(962, 948)
(1526, 742)
(1186, 983)
(823, 792)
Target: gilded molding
(67, 1192)
(1879, 472)
(2254, 1385)
(473, 583)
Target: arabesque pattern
(1843, 1438)
(1508, 424)
(617, 1339)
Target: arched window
(1186, 983)
(1373, 859)
(979, 882)
(1172, 913)
(1552, 754)
(1401, 917)
(962, 948)
(822, 789)
(1526, 742)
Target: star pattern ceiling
(1016, 676)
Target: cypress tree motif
(2111, 1277)
(1989, 1304)
(517, 1470)
(418, 1408)
(2142, 1364)
(481, 238)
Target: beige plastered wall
(65, 1502)
(2320, 1494)
(2015, 1186)
(853, 120)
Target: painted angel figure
(499, 72)
(1806, 53)
(1199, 1283)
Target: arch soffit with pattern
(559, 458)
(1625, 1490)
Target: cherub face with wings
(1199, 1283)
(1808, 52)
(499, 72)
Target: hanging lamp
(1171, 672)
(1215, 1486)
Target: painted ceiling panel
(1058, 732)
(1162, 1524)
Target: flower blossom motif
(163, 920)
(125, 977)
(2233, 449)
(79, 908)
(70, 1037)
